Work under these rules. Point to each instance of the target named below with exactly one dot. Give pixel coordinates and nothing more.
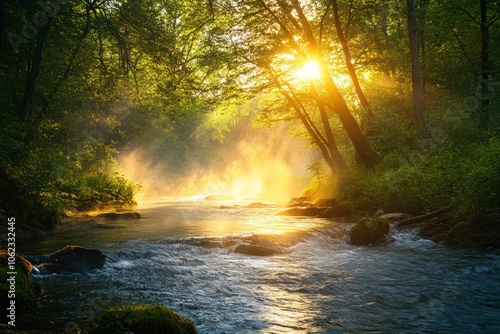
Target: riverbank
(479, 232)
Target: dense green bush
(466, 177)
(478, 186)
(100, 191)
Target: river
(321, 284)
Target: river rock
(20, 261)
(308, 212)
(257, 246)
(303, 201)
(369, 231)
(325, 202)
(73, 259)
(119, 215)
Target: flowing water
(319, 284)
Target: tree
(418, 98)
(348, 59)
(290, 32)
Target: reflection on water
(320, 285)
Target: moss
(380, 226)
(369, 231)
(28, 293)
(139, 319)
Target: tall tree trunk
(348, 60)
(363, 149)
(418, 99)
(485, 65)
(328, 147)
(332, 145)
(423, 5)
(33, 74)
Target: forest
(370, 106)
(401, 100)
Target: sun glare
(310, 70)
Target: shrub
(100, 191)
(478, 187)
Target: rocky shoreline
(441, 226)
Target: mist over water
(263, 165)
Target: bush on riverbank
(100, 191)
(38, 201)
(139, 319)
(466, 177)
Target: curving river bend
(320, 285)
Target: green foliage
(28, 293)
(140, 319)
(467, 178)
(323, 183)
(478, 185)
(100, 191)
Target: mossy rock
(139, 319)
(21, 263)
(74, 259)
(369, 231)
(27, 293)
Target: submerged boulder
(257, 250)
(257, 246)
(369, 231)
(73, 259)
